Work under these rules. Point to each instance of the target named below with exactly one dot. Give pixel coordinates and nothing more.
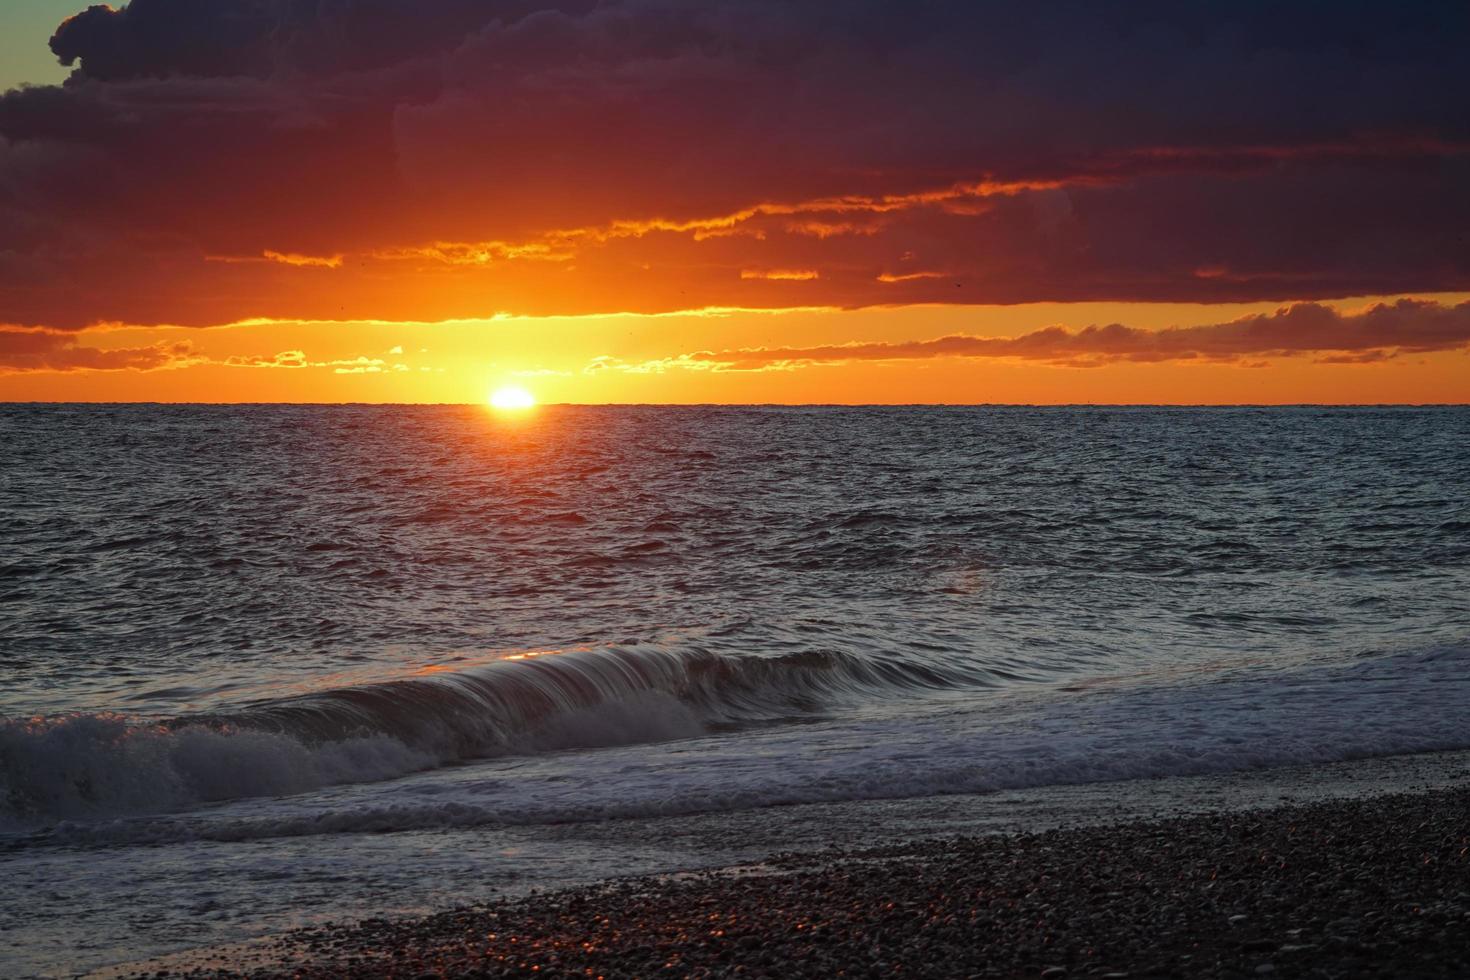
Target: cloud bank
(209, 162)
(28, 350)
(1381, 332)
(1302, 331)
(45, 350)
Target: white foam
(91, 767)
(80, 766)
(1246, 719)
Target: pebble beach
(1339, 888)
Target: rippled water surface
(227, 629)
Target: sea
(270, 666)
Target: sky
(868, 201)
(25, 27)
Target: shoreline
(1377, 885)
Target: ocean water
(268, 665)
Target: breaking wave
(89, 766)
(1232, 720)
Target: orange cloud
(31, 350)
(283, 258)
(306, 261)
(961, 196)
(791, 275)
(296, 359)
(1380, 332)
(46, 350)
(478, 253)
(285, 359)
(909, 276)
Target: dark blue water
(223, 627)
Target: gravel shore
(1342, 888)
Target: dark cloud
(45, 350)
(163, 37)
(28, 350)
(1381, 332)
(220, 38)
(1245, 150)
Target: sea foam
(1236, 719)
(94, 766)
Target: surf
(98, 765)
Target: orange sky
(735, 201)
(637, 358)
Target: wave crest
(88, 766)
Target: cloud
(222, 38)
(295, 359)
(304, 261)
(786, 275)
(358, 365)
(289, 359)
(1378, 333)
(558, 249)
(457, 158)
(163, 37)
(45, 350)
(909, 276)
(28, 350)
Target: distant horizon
(545, 405)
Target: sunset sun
(512, 397)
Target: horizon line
(480, 404)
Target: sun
(512, 398)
